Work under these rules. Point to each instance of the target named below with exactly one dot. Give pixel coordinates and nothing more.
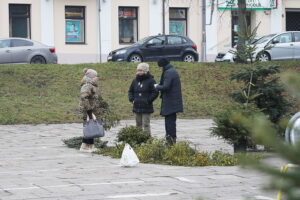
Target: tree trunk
(242, 29)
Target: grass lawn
(49, 93)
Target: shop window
(19, 20)
(178, 21)
(235, 27)
(75, 24)
(128, 25)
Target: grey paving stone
(36, 165)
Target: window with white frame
(19, 20)
(178, 21)
(75, 24)
(128, 25)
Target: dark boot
(240, 147)
(170, 140)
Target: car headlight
(121, 52)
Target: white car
(284, 46)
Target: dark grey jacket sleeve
(167, 82)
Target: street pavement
(35, 164)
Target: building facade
(85, 31)
(271, 16)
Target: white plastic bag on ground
(129, 158)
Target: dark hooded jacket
(142, 93)
(170, 87)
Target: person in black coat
(142, 94)
(170, 88)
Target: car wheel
(38, 60)
(135, 58)
(188, 58)
(263, 57)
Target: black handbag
(93, 128)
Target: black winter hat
(163, 62)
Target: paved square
(35, 164)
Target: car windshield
(264, 39)
(142, 41)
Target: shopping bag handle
(93, 115)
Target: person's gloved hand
(155, 85)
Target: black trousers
(88, 141)
(170, 125)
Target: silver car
(284, 46)
(20, 50)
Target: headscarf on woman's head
(90, 73)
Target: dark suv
(172, 47)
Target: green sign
(250, 4)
